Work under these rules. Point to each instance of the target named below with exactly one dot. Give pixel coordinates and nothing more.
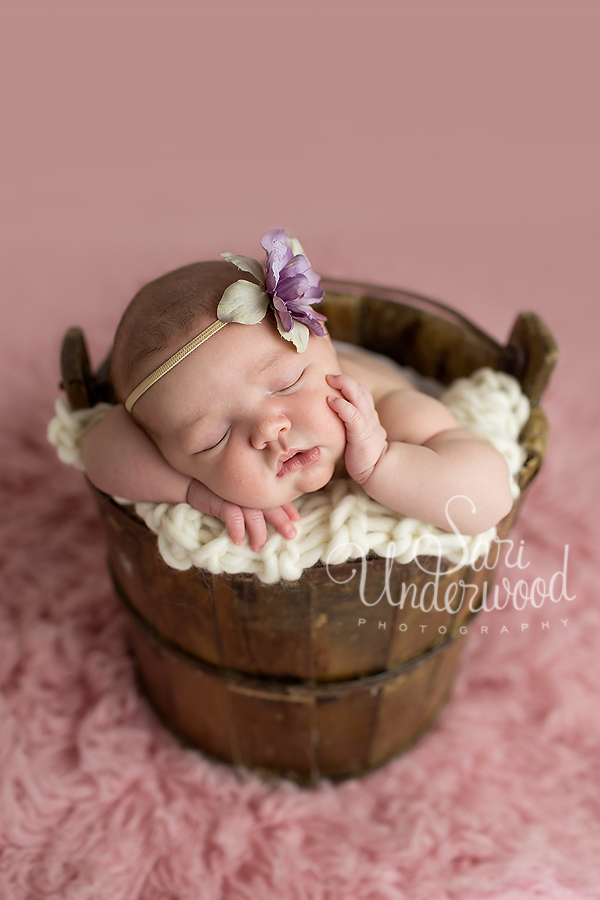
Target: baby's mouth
(297, 459)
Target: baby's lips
(299, 460)
(284, 458)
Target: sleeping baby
(234, 399)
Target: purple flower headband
(287, 283)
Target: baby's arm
(120, 459)
(423, 465)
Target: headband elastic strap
(171, 362)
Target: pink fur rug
(501, 799)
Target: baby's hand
(239, 518)
(366, 438)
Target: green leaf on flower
(243, 302)
(298, 334)
(246, 264)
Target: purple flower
(287, 283)
(291, 282)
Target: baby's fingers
(357, 394)
(234, 520)
(237, 519)
(256, 527)
(282, 518)
(291, 511)
(350, 416)
(204, 500)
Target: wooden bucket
(318, 677)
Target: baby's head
(163, 316)
(245, 413)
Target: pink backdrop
(447, 147)
(443, 146)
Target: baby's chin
(289, 490)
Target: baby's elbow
(494, 503)
(488, 501)
(501, 497)
(492, 510)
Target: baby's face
(247, 415)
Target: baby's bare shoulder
(379, 375)
(406, 413)
(413, 417)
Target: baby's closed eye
(213, 443)
(294, 383)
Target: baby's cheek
(232, 472)
(239, 482)
(319, 415)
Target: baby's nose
(267, 429)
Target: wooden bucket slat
(192, 702)
(302, 730)
(413, 705)
(248, 636)
(177, 604)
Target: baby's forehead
(225, 367)
(262, 356)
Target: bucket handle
(533, 353)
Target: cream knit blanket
(339, 522)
